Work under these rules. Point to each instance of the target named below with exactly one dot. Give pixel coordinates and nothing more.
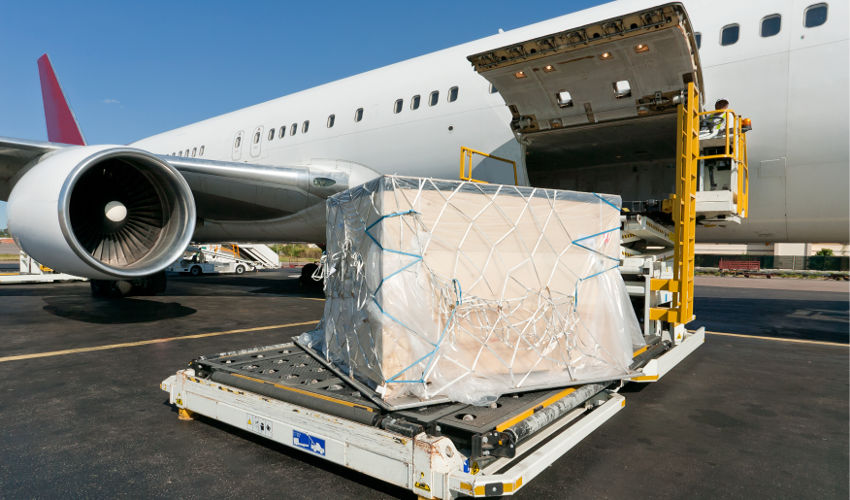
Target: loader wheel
(195, 271)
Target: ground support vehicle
(197, 261)
(286, 394)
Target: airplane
(573, 118)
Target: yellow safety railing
(466, 164)
(684, 216)
(735, 150)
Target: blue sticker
(466, 465)
(307, 442)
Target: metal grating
(283, 364)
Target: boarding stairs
(263, 256)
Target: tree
(825, 252)
(4, 232)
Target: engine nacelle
(102, 212)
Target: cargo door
(592, 100)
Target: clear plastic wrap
(446, 288)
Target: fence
(793, 262)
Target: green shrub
(304, 251)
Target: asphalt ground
(761, 413)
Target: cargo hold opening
(595, 107)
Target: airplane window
(414, 102)
(698, 37)
(331, 119)
(194, 152)
(358, 115)
(238, 142)
(434, 98)
(201, 151)
(453, 94)
(256, 137)
(397, 106)
(729, 34)
(305, 126)
(493, 89)
(271, 133)
(770, 25)
(293, 128)
(282, 132)
(815, 15)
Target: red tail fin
(61, 124)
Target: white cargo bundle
(462, 290)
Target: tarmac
(759, 411)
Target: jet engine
(102, 212)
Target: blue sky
(133, 69)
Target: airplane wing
(110, 211)
(15, 155)
(223, 191)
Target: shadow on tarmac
(259, 284)
(127, 310)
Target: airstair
(263, 256)
(225, 258)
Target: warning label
(307, 442)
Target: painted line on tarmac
(777, 339)
(122, 345)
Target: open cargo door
(601, 96)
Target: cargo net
(469, 291)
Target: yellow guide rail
(684, 216)
(466, 164)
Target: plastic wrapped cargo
(468, 291)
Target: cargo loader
(291, 394)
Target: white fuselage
(793, 85)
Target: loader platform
(281, 392)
